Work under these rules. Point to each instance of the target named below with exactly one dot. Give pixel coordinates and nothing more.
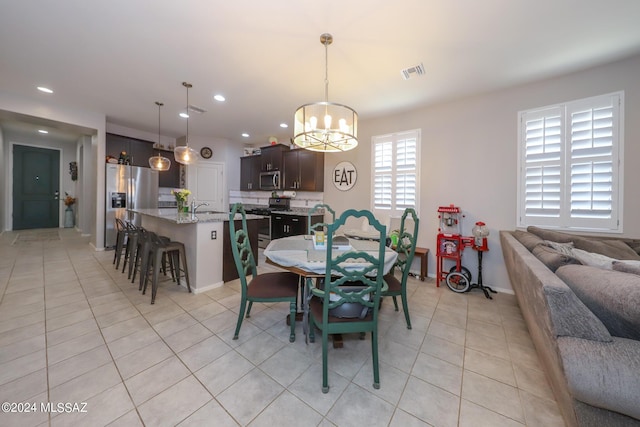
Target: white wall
(469, 156)
(2, 174)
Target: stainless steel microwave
(270, 180)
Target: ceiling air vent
(415, 71)
(196, 109)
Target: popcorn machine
(450, 246)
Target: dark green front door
(36, 174)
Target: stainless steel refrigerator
(127, 187)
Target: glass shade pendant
(326, 126)
(185, 154)
(159, 163)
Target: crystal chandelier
(326, 126)
(159, 163)
(185, 154)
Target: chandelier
(159, 163)
(326, 126)
(185, 154)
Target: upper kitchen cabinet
(303, 170)
(170, 178)
(271, 156)
(138, 150)
(250, 173)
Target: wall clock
(206, 152)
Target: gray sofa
(584, 320)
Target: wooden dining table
(298, 255)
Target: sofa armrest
(603, 374)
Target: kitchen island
(206, 239)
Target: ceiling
(119, 57)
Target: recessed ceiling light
(43, 131)
(245, 135)
(44, 89)
(184, 115)
(219, 98)
(284, 125)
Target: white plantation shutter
(543, 160)
(395, 172)
(569, 165)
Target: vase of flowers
(69, 220)
(181, 196)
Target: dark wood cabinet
(271, 157)
(138, 150)
(303, 170)
(229, 270)
(283, 225)
(250, 173)
(170, 178)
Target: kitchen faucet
(195, 206)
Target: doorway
(36, 193)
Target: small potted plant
(69, 201)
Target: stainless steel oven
(264, 224)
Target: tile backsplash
(302, 199)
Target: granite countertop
(171, 215)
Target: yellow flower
(181, 194)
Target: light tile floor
(75, 330)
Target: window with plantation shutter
(395, 172)
(570, 162)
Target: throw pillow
(614, 297)
(528, 240)
(632, 267)
(563, 248)
(552, 258)
(612, 248)
(593, 259)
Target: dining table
(299, 255)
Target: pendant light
(185, 154)
(326, 126)
(159, 163)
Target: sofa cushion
(634, 244)
(553, 258)
(528, 240)
(616, 249)
(556, 236)
(604, 375)
(614, 297)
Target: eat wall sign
(344, 176)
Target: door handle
(56, 195)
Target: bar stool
(122, 239)
(157, 250)
(131, 247)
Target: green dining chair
(348, 298)
(314, 210)
(265, 287)
(406, 248)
